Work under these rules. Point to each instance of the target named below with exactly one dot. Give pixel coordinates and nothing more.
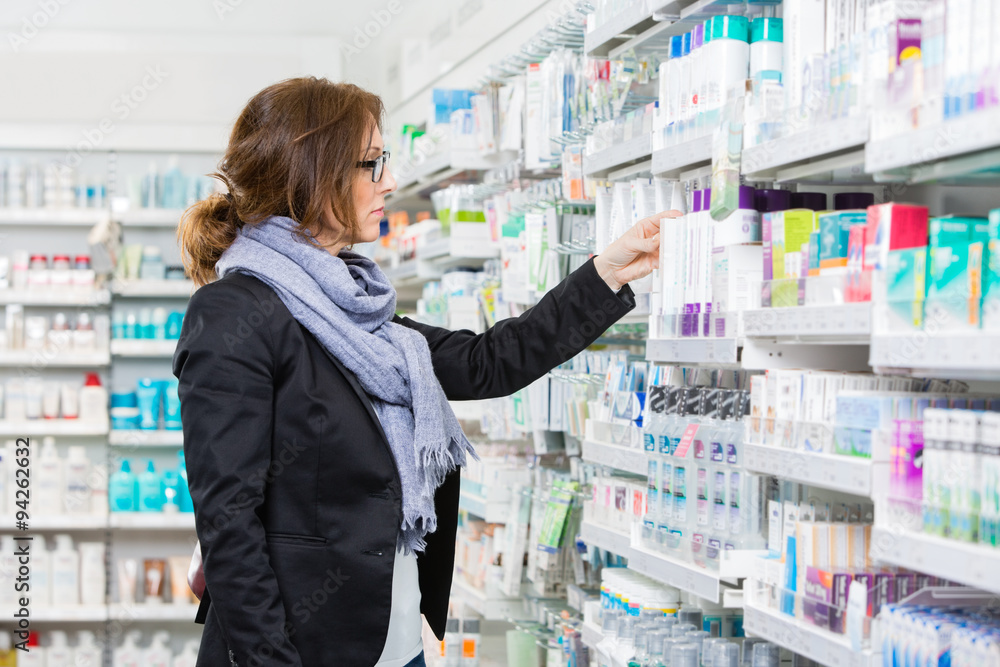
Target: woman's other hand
(635, 254)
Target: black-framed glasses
(377, 166)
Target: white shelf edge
(145, 612)
(850, 474)
(674, 572)
(822, 141)
(153, 288)
(615, 456)
(141, 438)
(149, 217)
(39, 359)
(970, 564)
(50, 297)
(622, 154)
(847, 323)
(824, 647)
(54, 427)
(960, 355)
(605, 538)
(137, 347)
(71, 522)
(55, 217)
(692, 350)
(151, 521)
(670, 161)
(491, 609)
(67, 614)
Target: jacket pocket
(291, 538)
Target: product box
(814, 247)
(991, 273)
(736, 271)
(740, 227)
(954, 285)
(858, 285)
(789, 230)
(825, 600)
(834, 232)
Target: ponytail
(207, 229)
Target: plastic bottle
(36, 654)
(150, 191)
(65, 572)
(77, 495)
(670, 90)
(766, 49)
(609, 627)
(453, 643)
(93, 399)
(171, 491)
(128, 654)
(47, 496)
(173, 184)
(41, 573)
(727, 655)
(640, 653)
(626, 640)
(651, 425)
(150, 490)
(684, 655)
(766, 654)
(123, 490)
(470, 642)
(698, 66)
(59, 652)
(655, 648)
(93, 576)
(684, 91)
(682, 459)
(87, 653)
(728, 62)
(707, 411)
(189, 656)
(696, 637)
(158, 654)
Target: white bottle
(87, 652)
(35, 656)
(128, 654)
(77, 493)
(188, 657)
(65, 572)
(93, 400)
(98, 481)
(158, 654)
(59, 652)
(41, 573)
(47, 496)
(93, 578)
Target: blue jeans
(417, 662)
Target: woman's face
(369, 198)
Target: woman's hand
(635, 254)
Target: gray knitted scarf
(347, 303)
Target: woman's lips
(379, 211)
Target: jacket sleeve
(225, 367)
(516, 352)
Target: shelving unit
(824, 647)
(150, 438)
(618, 457)
(154, 288)
(672, 161)
(416, 176)
(829, 471)
(832, 151)
(53, 217)
(152, 521)
(66, 614)
(154, 613)
(479, 505)
(491, 609)
(150, 217)
(55, 427)
(55, 297)
(971, 355)
(128, 347)
(609, 539)
(970, 564)
(54, 358)
(716, 351)
(688, 576)
(57, 523)
(627, 153)
(843, 324)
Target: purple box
(838, 599)
(906, 474)
(904, 41)
(766, 238)
(816, 597)
(868, 579)
(885, 591)
(906, 585)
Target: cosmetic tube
(153, 573)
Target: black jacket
(296, 494)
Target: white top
(403, 641)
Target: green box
(789, 230)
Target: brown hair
(292, 153)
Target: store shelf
(154, 288)
(591, 634)
(618, 457)
(55, 297)
(403, 272)
(159, 613)
(135, 347)
(804, 639)
(970, 564)
(812, 155)
(624, 25)
(152, 521)
(602, 537)
(671, 161)
(491, 609)
(56, 522)
(933, 153)
(40, 359)
(689, 577)
(478, 505)
(139, 438)
(692, 350)
(968, 355)
(620, 155)
(64, 613)
(848, 323)
(54, 217)
(413, 177)
(53, 427)
(150, 217)
(849, 474)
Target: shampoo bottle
(123, 490)
(184, 493)
(150, 490)
(41, 573)
(65, 572)
(93, 575)
(128, 654)
(59, 652)
(171, 491)
(87, 653)
(158, 654)
(77, 492)
(35, 656)
(47, 495)
(189, 656)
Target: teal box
(906, 274)
(814, 244)
(835, 233)
(955, 259)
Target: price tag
(686, 440)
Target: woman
(322, 454)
